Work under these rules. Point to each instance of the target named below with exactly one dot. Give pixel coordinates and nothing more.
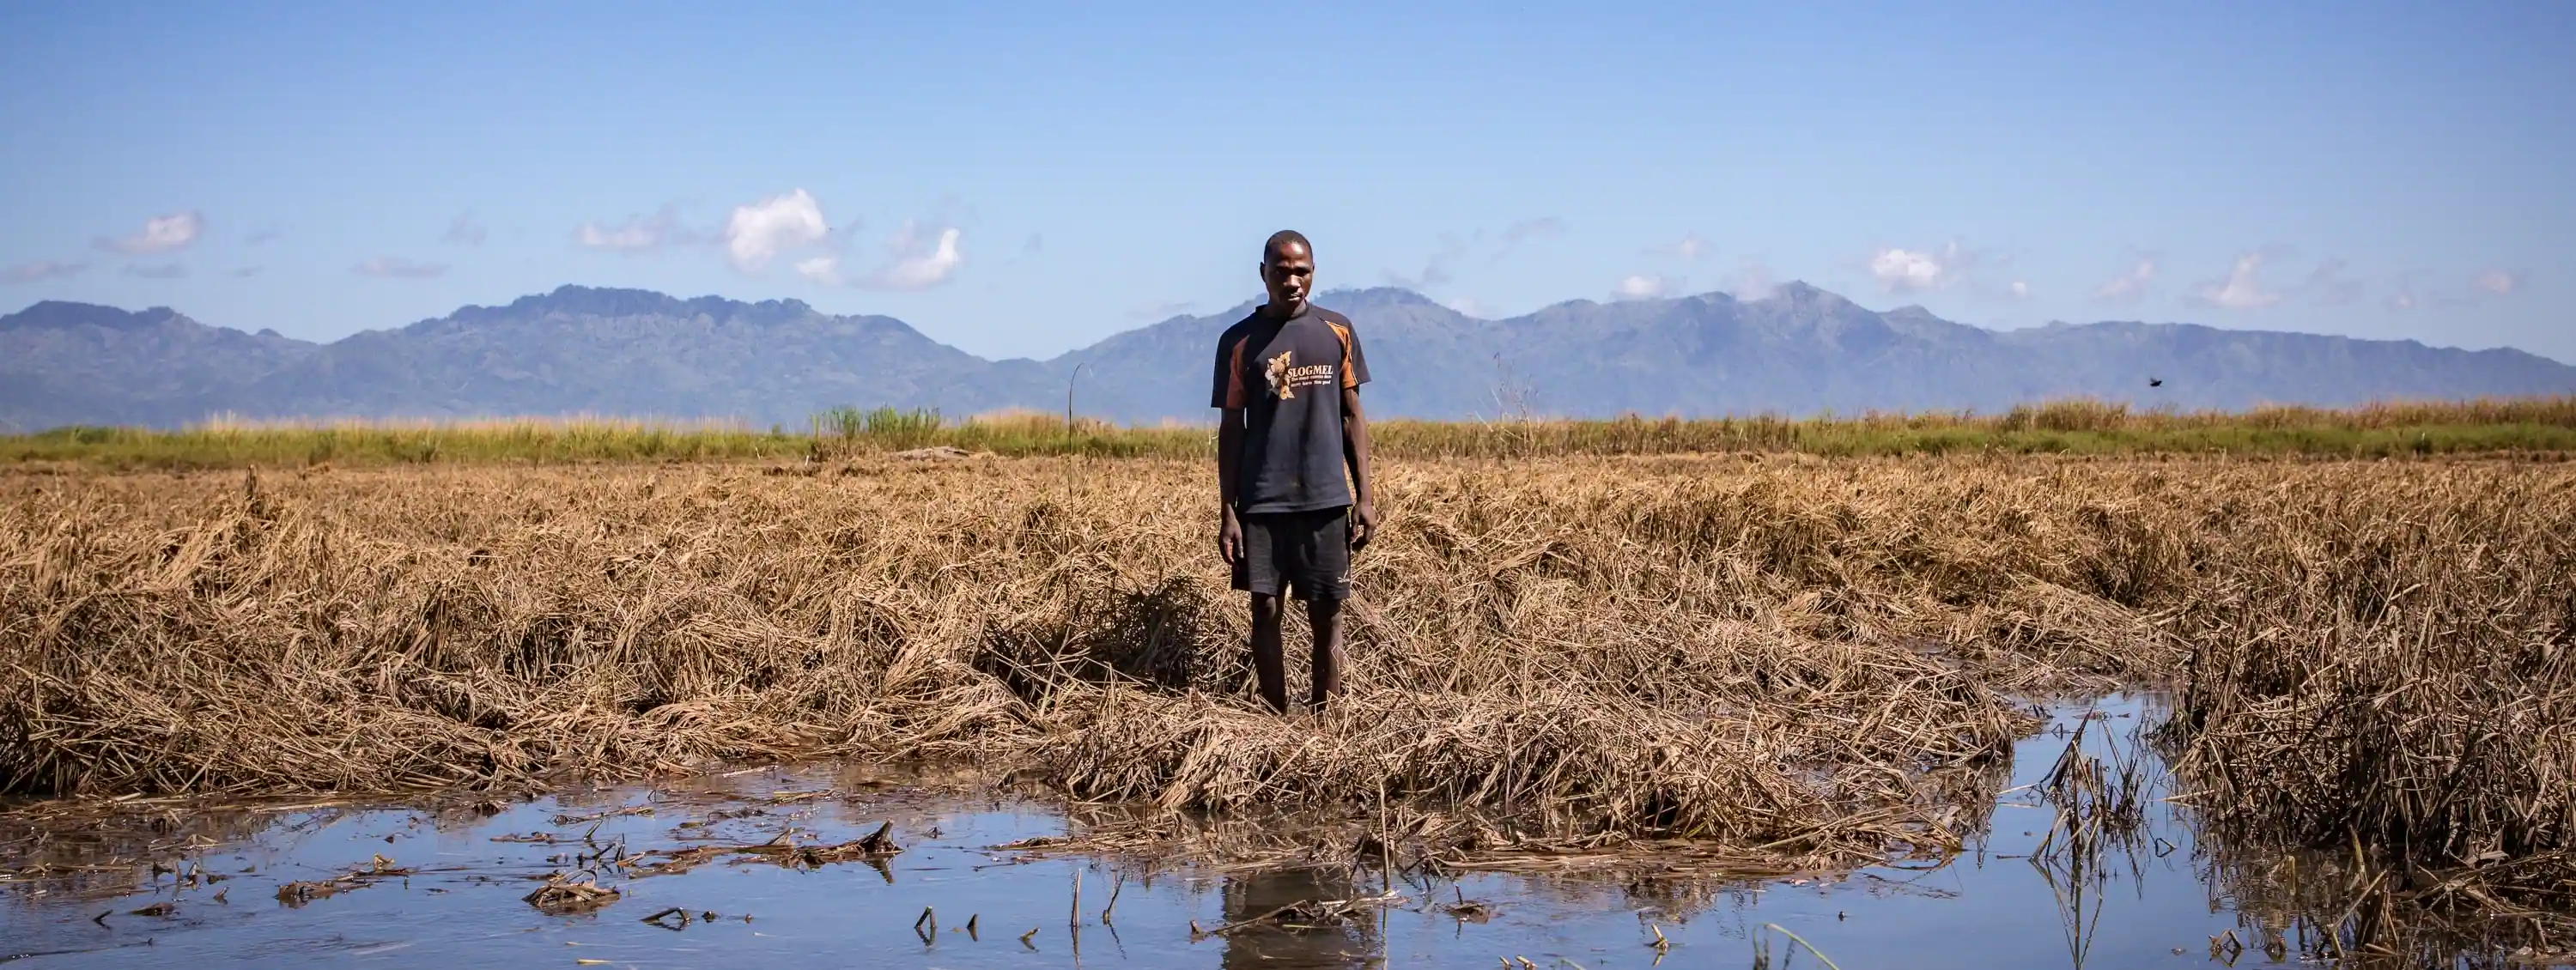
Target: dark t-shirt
(1288, 376)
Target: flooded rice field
(805, 867)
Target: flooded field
(1613, 703)
(774, 867)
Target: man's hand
(1229, 538)
(1363, 524)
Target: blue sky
(1025, 179)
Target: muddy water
(454, 882)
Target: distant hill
(1800, 351)
(576, 350)
(76, 363)
(603, 351)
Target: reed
(2544, 426)
(1821, 656)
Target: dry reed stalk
(1788, 652)
(2394, 666)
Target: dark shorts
(1307, 552)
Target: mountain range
(1800, 350)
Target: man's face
(1289, 276)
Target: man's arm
(1355, 452)
(1229, 452)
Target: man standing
(1289, 377)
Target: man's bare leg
(1267, 663)
(1325, 615)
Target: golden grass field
(1819, 658)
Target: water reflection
(2082, 862)
(1285, 928)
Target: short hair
(1280, 240)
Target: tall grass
(2397, 429)
(228, 443)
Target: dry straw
(1823, 658)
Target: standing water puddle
(445, 889)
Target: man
(1289, 377)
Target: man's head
(1287, 271)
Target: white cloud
(159, 235)
(1526, 230)
(2130, 286)
(2241, 290)
(638, 234)
(913, 262)
(1435, 268)
(1470, 306)
(2020, 289)
(2329, 286)
(2498, 282)
(2400, 300)
(41, 270)
(918, 265)
(1752, 281)
(1438, 268)
(1643, 286)
(824, 269)
(1690, 247)
(389, 267)
(1908, 271)
(164, 271)
(628, 238)
(465, 231)
(759, 232)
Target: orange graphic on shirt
(1285, 377)
(1276, 372)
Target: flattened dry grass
(1815, 656)
(1558, 643)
